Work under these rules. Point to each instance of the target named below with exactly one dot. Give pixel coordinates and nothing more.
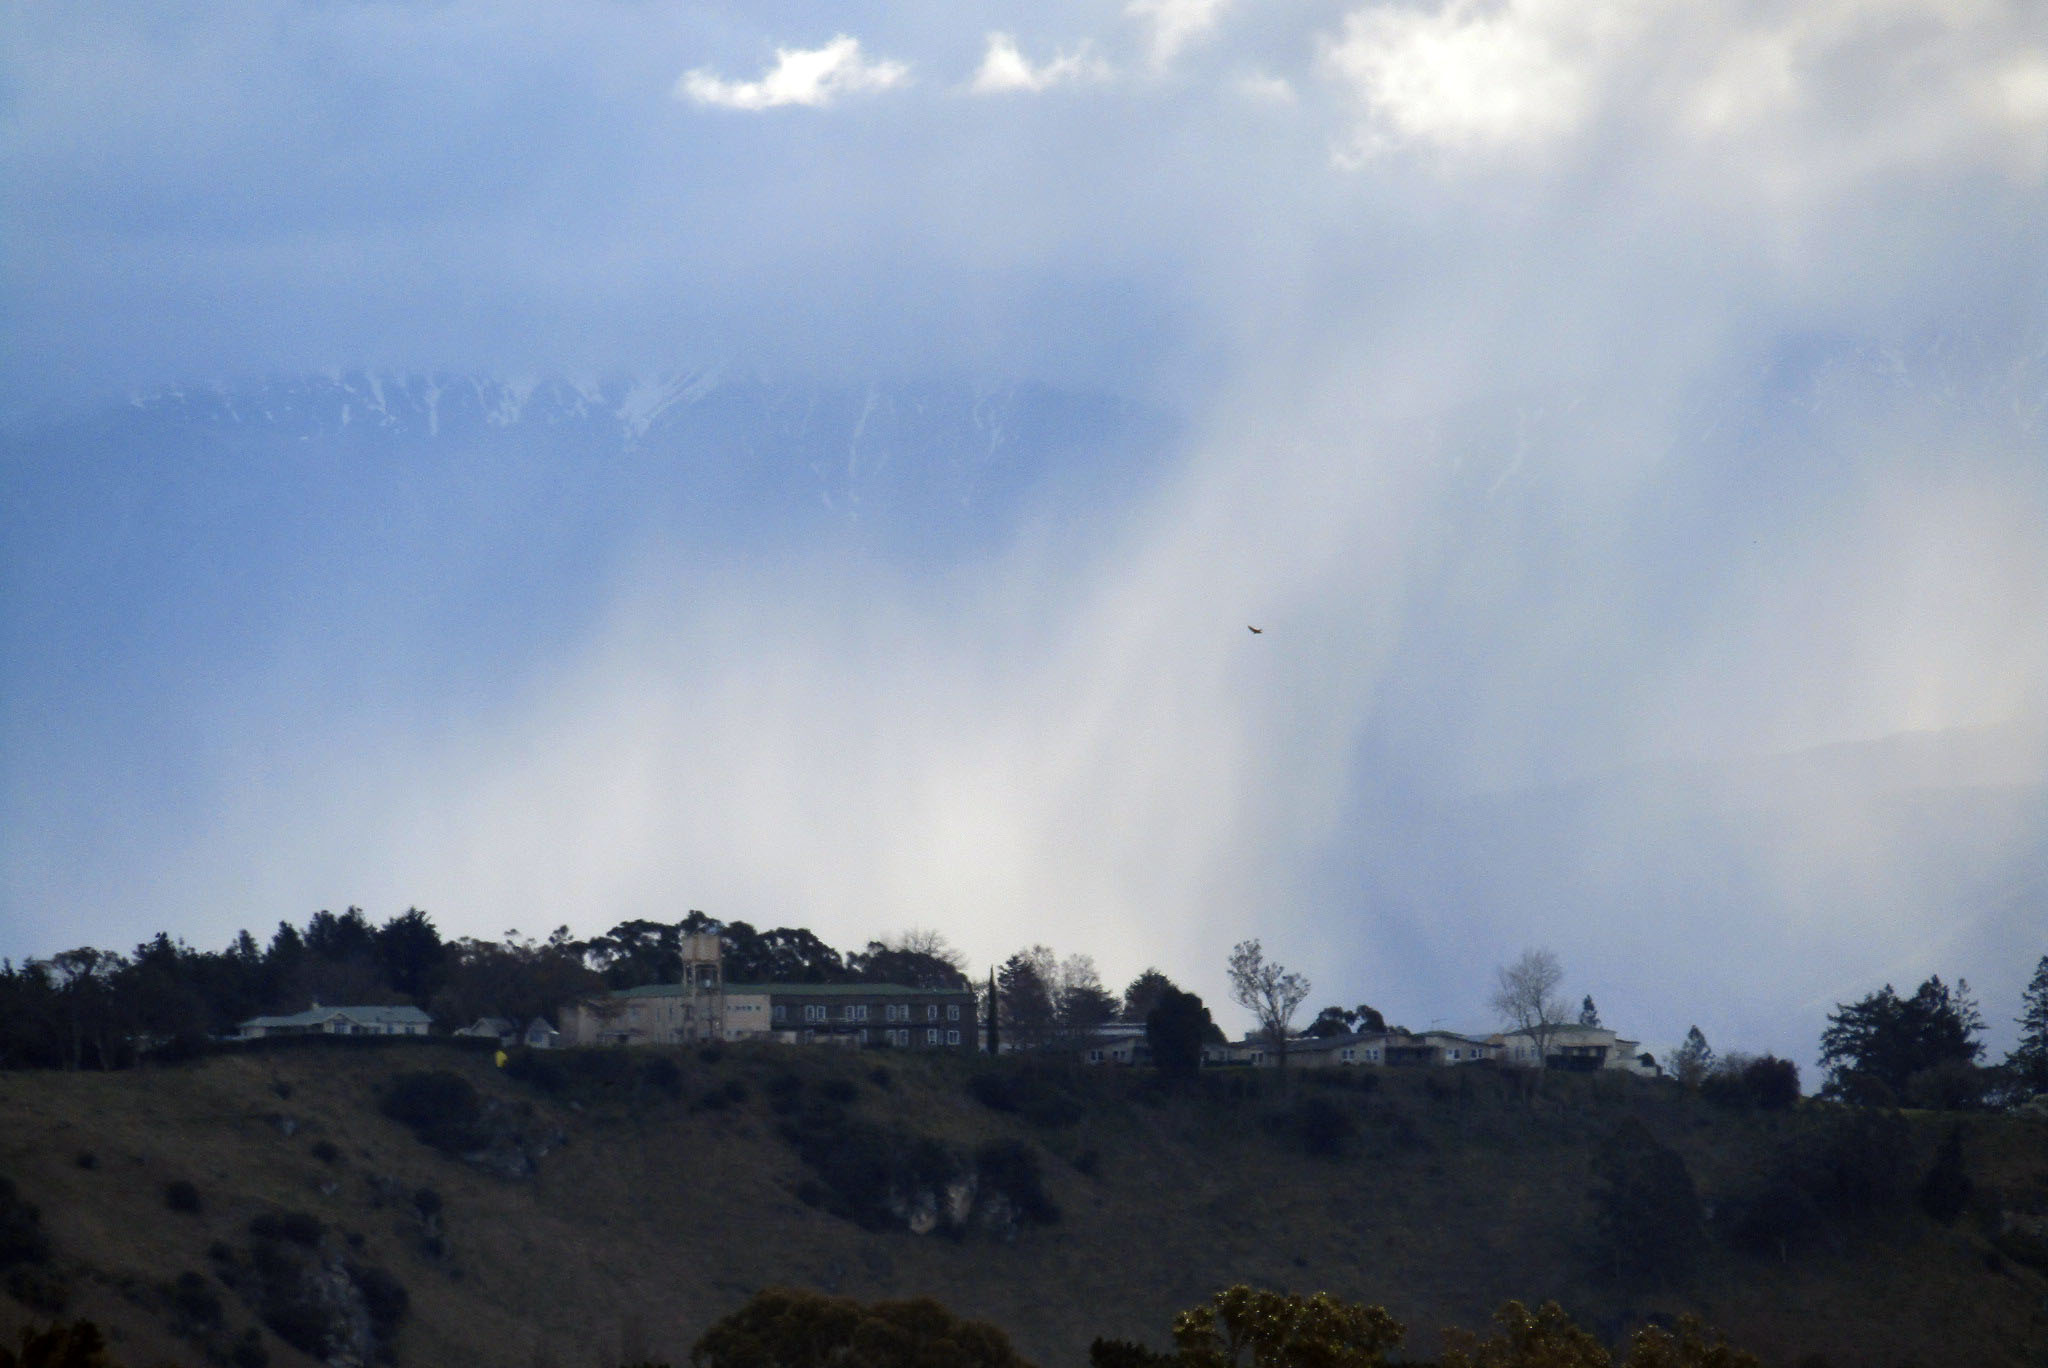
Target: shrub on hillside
(1040, 1093)
(441, 1107)
(78, 1344)
(181, 1195)
(1773, 1215)
(287, 1227)
(1009, 1169)
(1646, 1210)
(1956, 1085)
(663, 1075)
(1946, 1189)
(1324, 1127)
(22, 1240)
(195, 1307)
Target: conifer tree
(2029, 1059)
(1694, 1060)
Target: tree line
(91, 1008)
(103, 1009)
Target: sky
(1625, 421)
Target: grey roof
(407, 1015)
(846, 990)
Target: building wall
(836, 1014)
(874, 1014)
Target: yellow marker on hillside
(501, 1059)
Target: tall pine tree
(2029, 1060)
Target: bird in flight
(1255, 631)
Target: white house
(1576, 1047)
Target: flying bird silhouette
(1255, 631)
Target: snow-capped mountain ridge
(932, 463)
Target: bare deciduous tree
(1527, 999)
(1268, 991)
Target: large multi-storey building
(703, 1007)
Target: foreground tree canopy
(787, 1328)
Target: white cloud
(1838, 87)
(1471, 74)
(1264, 88)
(800, 76)
(1175, 24)
(1005, 70)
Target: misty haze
(673, 675)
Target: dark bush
(871, 1175)
(881, 1077)
(994, 1091)
(195, 1306)
(1117, 1353)
(1009, 1169)
(1646, 1209)
(1855, 1163)
(1324, 1126)
(87, 1160)
(427, 1202)
(664, 1076)
(287, 1227)
(542, 1069)
(295, 1317)
(785, 1093)
(1772, 1083)
(38, 1288)
(779, 1326)
(327, 1152)
(843, 1091)
(1088, 1162)
(441, 1107)
(384, 1297)
(77, 1345)
(1041, 1094)
(710, 1054)
(1774, 1216)
(2022, 1246)
(1953, 1086)
(181, 1195)
(1946, 1189)
(727, 1094)
(248, 1351)
(22, 1240)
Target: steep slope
(663, 1195)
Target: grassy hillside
(665, 1187)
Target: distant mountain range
(936, 458)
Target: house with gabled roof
(340, 1021)
(1578, 1048)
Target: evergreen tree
(1142, 994)
(1873, 1047)
(1694, 1060)
(1175, 1030)
(1589, 1015)
(995, 1032)
(2029, 1059)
